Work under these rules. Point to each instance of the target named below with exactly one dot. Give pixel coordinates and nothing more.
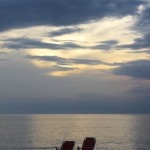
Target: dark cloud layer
(25, 13)
(90, 103)
(106, 45)
(141, 91)
(25, 43)
(136, 69)
(143, 23)
(141, 26)
(66, 61)
(139, 43)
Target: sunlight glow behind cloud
(90, 35)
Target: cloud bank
(137, 69)
(25, 13)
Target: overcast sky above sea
(74, 56)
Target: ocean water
(112, 132)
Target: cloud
(63, 31)
(136, 69)
(106, 45)
(141, 90)
(141, 95)
(25, 43)
(26, 13)
(102, 103)
(3, 53)
(140, 51)
(66, 61)
(147, 51)
(90, 103)
(60, 68)
(141, 26)
(143, 22)
(139, 43)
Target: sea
(112, 131)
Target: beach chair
(66, 145)
(88, 144)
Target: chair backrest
(67, 145)
(88, 143)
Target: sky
(74, 56)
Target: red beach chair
(88, 144)
(67, 145)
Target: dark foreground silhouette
(88, 144)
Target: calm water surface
(113, 132)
